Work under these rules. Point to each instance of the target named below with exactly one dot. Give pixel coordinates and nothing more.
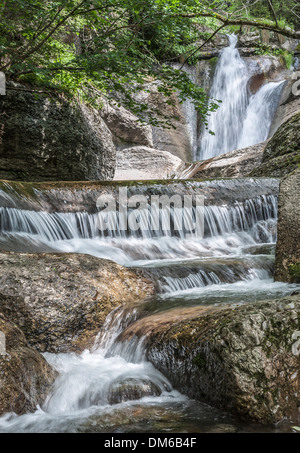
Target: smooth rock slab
(60, 301)
(238, 163)
(142, 163)
(243, 359)
(25, 376)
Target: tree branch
(240, 22)
(202, 45)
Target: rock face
(125, 127)
(140, 163)
(289, 104)
(60, 301)
(234, 164)
(287, 263)
(50, 139)
(177, 140)
(25, 376)
(282, 154)
(242, 359)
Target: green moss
(214, 61)
(294, 271)
(200, 361)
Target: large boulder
(287, 262)
(60, 301)
(142, 163)
(25, 376)
(46, 138)
(125, 127)
(244, 359)
(282, 154)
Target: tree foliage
(111, 47)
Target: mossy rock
(282, 154)
(242, 359)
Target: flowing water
(113, 388)
(242, 119)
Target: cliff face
(47, 139)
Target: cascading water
(242, 119)
(259, 115)
(230, 87)
(102, 388)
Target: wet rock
(46, 138)
(131, 389)
(282, 153)
(287, 263)
(60, 301)
(82, 196)
(25, 376)
(234, 164)
(263, 249)
(242, 359)
(142, 163)
(256, 82)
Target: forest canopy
(108, 46)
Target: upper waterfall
(242, 119)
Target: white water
(226, 229)
(242, 119)
(259, 115)
(114, 379)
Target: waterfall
(230, 87)
(259, 114)
(242, 119)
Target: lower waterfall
(112, 387)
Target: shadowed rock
(45, 138)
(25, 376)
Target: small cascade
(225, 229)
(242, 119)
(101, 378)
(213, 272)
